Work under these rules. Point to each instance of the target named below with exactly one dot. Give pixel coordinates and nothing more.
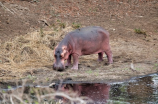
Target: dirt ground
(132, 24)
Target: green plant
(29, 76)
(155, 66)
(89, 71)
(125, 69)
(32, 91)
(47, 79)
(55, 29)
(96, 73)
(41, 32)
(62, 25)
(61, 74)
(58, 20)
(138, 69)
(139, 31)
(26, 101)
(36, 102)
(9, 87)
(76, 25)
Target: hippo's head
(60, 55)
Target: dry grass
(32, 50)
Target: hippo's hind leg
(108, 52)
(68, 61)
(100, 56)
(109, 55)
(75, 61)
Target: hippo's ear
(65, 48)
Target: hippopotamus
(98, 92)
(82, 41)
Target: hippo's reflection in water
(99, 93)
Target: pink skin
(84, 41)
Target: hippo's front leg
(75, 61)
(68, 61)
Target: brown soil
(130, 48)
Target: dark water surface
(137, 90)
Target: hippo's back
(90, 33)
(89, 30)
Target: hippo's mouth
(58, 67)
(60, 70)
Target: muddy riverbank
(27, 41)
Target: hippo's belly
(87, 52)
(85, 47)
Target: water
(137, 90)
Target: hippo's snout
(58, 67)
